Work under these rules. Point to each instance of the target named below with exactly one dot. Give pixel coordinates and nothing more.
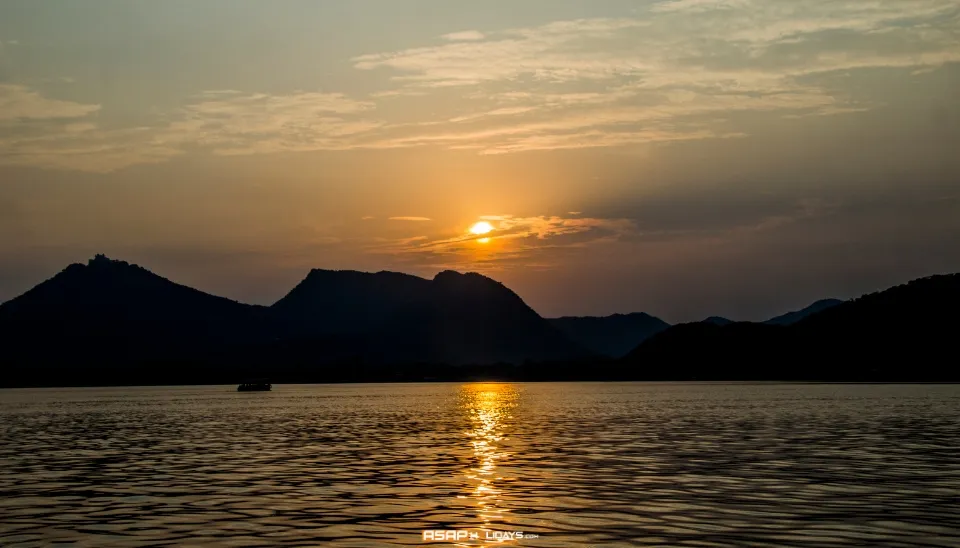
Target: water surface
(577, 464)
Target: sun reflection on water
(489, 407)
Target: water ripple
(577, 464)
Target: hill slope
(795, 316)
(334, 302)
(717, 320)
(902, 333)
(397, 318)
(110, 320)
(469, 318)
(612, 336)
(111, 311)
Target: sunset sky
(684, 158)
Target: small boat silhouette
(255, 387)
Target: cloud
(367, 217)
(76, 143)
(550, 241)
(466, 35)
(418, 219)
(537, 51)
(21, 103)
(235, 123)
(674, 71)
(698, 5)
(518, 241)
(666, 74)
(227, 122)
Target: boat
(255, 387)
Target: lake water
(576, 464)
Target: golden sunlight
(482, 227)
(489, 406)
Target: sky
(685, 158)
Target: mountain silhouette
(797, 315)
(111, 322)
(612, 336)
(332, 302)
(469, 318)
(112, 315)
(109, 310)
(709, 351)
(907, 327)
(904, 332)
(717, 320)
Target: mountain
(109, 321)
(708, 351)
(469, 318)
(902, 333)
(911, 326)
(122, 320)
(109, 311)
(612, 336)
(340, 302)
(797, 315)
(397, 318)
(717, 320)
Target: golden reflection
(489, 407)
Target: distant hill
(905, 332)
(332, 302)
(717, 320)
(397, 318)
(797, 315)
(111, 322)
(469, 318)
(612, 336)
(454, 318)
(909, 327)
(110, 311)
(708, 351)
(110, 318)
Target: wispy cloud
(679, 42)
(520, 241)
(416, 219)
(698, 5)
(466, 35)
(666, 74)
(538, 51)
(21, 103)
(674, 71)
(237, 123)
(226, 122)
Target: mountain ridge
(613, 335)
(871, 335)
(116, 310)
(795, 316)
(112, 321)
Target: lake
(576, 464)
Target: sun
(482, 227)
